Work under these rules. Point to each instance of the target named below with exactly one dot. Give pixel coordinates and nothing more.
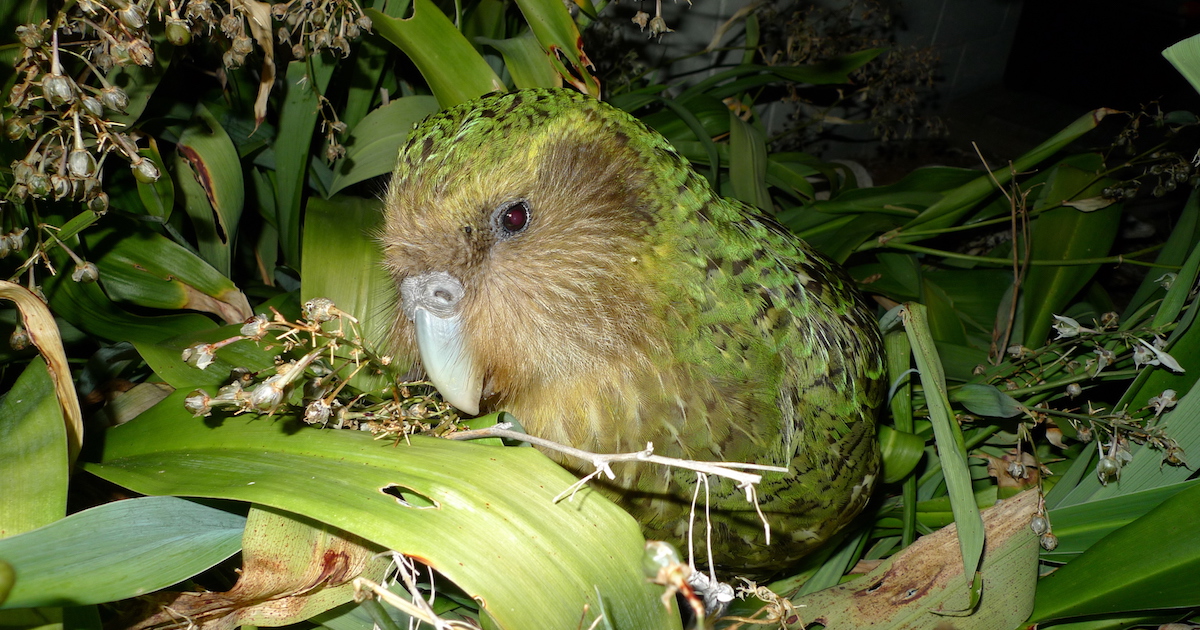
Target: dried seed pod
(93, 106)
(141, 53)
(81, 163)
(132, 16)
(30, 35)
(19, 339)
(114, 99)
(58, 90)
(1039, 525)
(98, 203)
(1049, 542)
(85, 272)
(144, 170)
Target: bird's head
(522, 231)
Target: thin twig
(730, 470)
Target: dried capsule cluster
(67, 115)
(315, 25)
(328, 357)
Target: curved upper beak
(431, 301)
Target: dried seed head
(321, 39)
(19, 339)
(58, 90)
(86, 273)
(98, 203)
(145, 171)
(93, 106)
(363, 22)
(81, 163)
(199, 403)
(1039, 525)
(255, 327)
(1074, 390)
(132, 16)
(1016, 470)
(60, 185)
(1049, 542)
(231, 25)
(39, 185)
(199, 355)
(141, 53)
(320, 310)
(30, 35)
(1108, 469)
(268, 395)
(114, 99)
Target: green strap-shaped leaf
(454, 70)
(1151, 563)
(165, 358)
(158, 197)
(950, 446)
(493, 527)
(748, 163)
(1064, 233)
(118, 550)
(209, 174)
(525, 60)
(88, 308)
(306, 80)
(1185, 56)
(33, 453)
(962, 199)
(373, 146)
(559, 35)
(148, 269)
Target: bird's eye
(513, 217)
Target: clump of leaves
(891, 94)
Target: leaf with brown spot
(917, 587)
(293, 568)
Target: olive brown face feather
(558, 260)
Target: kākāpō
(559, 260)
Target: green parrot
(557, 259)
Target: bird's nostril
(443, 295)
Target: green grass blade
(950, 446)
(1064, 233)
(961, 200)
(118, 550)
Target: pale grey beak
(431, 301)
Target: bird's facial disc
(431, 302)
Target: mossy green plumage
(634, 305)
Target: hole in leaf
(408, 497)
